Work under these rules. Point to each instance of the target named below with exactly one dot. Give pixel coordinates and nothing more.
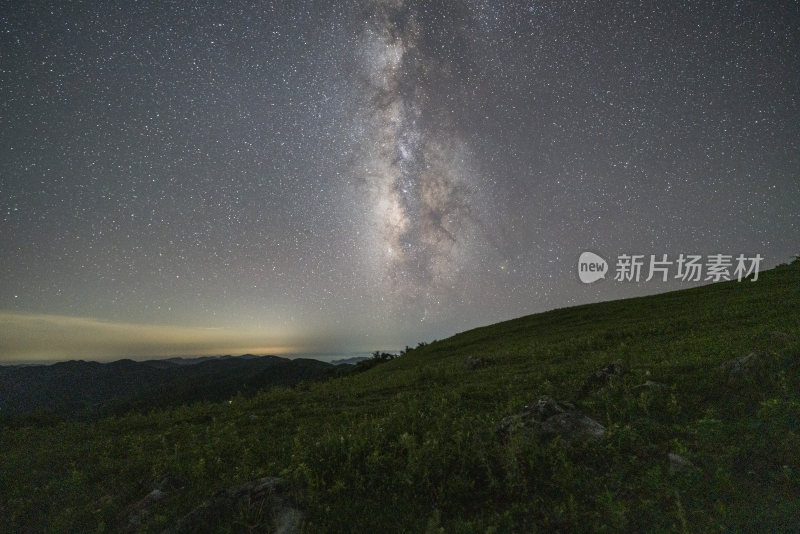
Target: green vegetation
(410, 445)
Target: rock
(679, 464)
(571, 426)
(474, 363)
(650, 385)
(547, 419)
(265, 498)
(138, 512)
(737, 368)
(740, 364)
(603, 376)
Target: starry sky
(308, 176)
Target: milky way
(421, 195)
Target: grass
(410, 445)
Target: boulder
(474, 363)
(266, 499)
(547, 418)
(137, 513)
(737, 368)
(679, 464)
(603, 376)
(650, 385)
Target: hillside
(697, 393)
(88, 390)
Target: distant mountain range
(80, 389)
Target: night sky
(293, 177)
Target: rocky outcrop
(137, 513)
(736, 369)
(603, 376)
(547, 419)
(265, 500)
(650, 385)
(472, 363)
(679, 464)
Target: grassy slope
(411, 445)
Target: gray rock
(266, 497)
(737, 368)
(474, 363)
(679, 464)
(603, 376)
(547, 419)
(137, 513)
(141, 510)
(650, 385)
